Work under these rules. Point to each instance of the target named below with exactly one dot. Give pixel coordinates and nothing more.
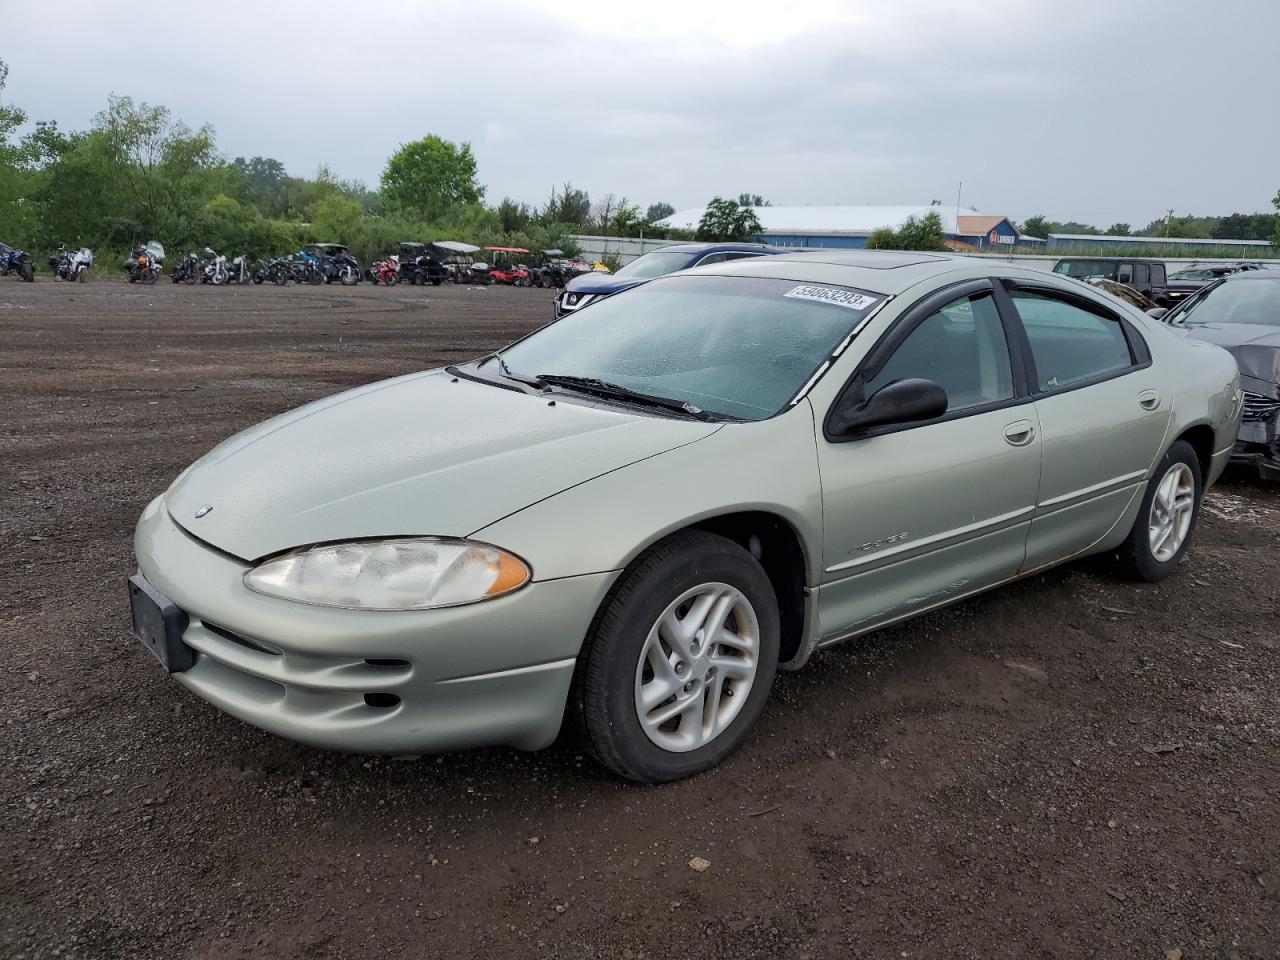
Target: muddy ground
(1069, 767)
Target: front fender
(770, 466)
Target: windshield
(656, 264)
(1083, 268)
(1200, 273)
(1242, 301)
(732, 346)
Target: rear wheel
(679, 661)
(27, 271)
(1166, 520)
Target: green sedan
(635, 516)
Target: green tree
(431, 175)
(882, 238)
(658, 211)
(570, 205)
(1036, 226)
(1275, 237)
(922, 234)
(1245, 226)
(752, 200)
(335, 219)
(728, 220)
(514, 216)
(1119, 230)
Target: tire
(348, 276)
(1144, 555)
(82, 275)
(679, 574)
(392, 280)
(26, 272)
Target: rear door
(916, 514)
(1103, 411)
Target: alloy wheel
(1171, 510)
(697, 667)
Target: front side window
(1125, 273)
(962, 348)
(734, 346)
(1068, 343)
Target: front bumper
(490, 673)
(1258, 442)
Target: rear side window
(1125, 273)
(1068, 343)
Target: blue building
(849, 227)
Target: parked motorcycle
(186, 270)
(146, 263)
(335, 262)
(214, 268)
(385, 271)
(15, 261)
(238, 270)
(72, 265)
(305, 269)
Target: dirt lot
(1070, 767)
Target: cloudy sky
(1095, 110)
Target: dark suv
(589, 287)
(1145, 276)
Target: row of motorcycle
(146, 265)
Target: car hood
(425, 454)
(596, 283)
(1255, 346)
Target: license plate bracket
(159, 623)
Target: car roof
(880, 271)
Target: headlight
(416, 573)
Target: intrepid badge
(203, 510)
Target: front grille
(1257, 407)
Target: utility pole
(1168, 218)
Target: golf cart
(551, 270)
(507, 269)
(420, 264)
(460, 263)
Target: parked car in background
(636, 514)
(1186, 281)
(1241, 312)
(589, 287)
(1148, 277)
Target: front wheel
(679, 661)
(348, 276)
(27, 272)
(1166, 520)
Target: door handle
(1020, 433)
(1148, 399)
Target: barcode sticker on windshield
(832, 295)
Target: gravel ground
(1072, 766)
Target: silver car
(637, 514)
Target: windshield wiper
(507, 372)
(603, 388)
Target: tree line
(1235, 226)
(139, 173)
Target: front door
(918, 514)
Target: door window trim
(875, 359)
(1139, 352)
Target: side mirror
(1155, 313)
(902, 401)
